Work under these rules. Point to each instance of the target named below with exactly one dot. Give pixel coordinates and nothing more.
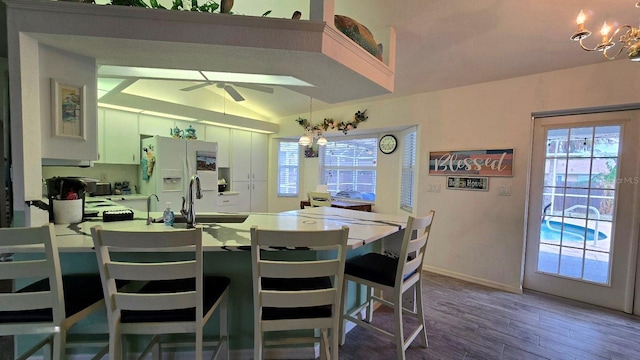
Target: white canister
(67, 211)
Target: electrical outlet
(433, 187)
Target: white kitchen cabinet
(151, 125)
(259, 196)
(248, 156)
(249, 169)
(100, 131)
(228, 202)
(252, 195)
(121, 138)
(222, 136)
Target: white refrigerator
(166, 167)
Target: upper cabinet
(248, 156)
(221, 136)
(120, 138)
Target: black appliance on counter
(68, 188)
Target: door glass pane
(579, 202)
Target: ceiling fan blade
(233, 93)
(194, 87)
(256, 87)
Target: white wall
(479, 236)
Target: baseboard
(473, 279)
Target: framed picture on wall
(68, 110)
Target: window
(348, 168)
(288, 168)
(408, 169)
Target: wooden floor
(468, 321)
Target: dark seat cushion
(374, 267)
(80, 291)
(214, 286)
(296, 284)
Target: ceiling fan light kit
(629, 39)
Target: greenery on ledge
(209, 6)
(330, 124)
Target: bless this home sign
(469, 163)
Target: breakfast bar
(226, 243)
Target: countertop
(364, 227)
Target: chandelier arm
(587, 48)
(623, 39)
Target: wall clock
(388, 144)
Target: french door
(583, 210)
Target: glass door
(582, 230)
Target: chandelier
(629, 38)
(312, 134)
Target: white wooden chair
(393, 276)
(298, 294)
(52, 304)
(317, 198)
(174, 298)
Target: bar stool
(164, 296)
(393, 276)
(51, 305)
(298, 294)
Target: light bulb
(322, 141)
(304, 140)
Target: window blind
(408, 170)
(288, 168)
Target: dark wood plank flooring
(468, 321)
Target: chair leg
(59, 344)
(369, 308)
(224, 326)
(343, 310)
(115, 345)
(397, 314)
(257, 341)
(420, 312)
(334, 343)
(199, 336)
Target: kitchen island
(231, 231)
(227, 252)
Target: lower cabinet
(252, 195)
(228, 202)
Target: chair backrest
(412, 251)
(287, 267)
(137, 268)
(42, 262)
(319, 198)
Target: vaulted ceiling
(441, 44)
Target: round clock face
(388, 144)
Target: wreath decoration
(330, 124)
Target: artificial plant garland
(330, 124)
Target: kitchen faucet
(189, 213)
(149, 207)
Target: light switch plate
(505, 191)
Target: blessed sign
(498, 162)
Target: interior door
(582, 228)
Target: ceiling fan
(229, 88)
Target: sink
(209, 218)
